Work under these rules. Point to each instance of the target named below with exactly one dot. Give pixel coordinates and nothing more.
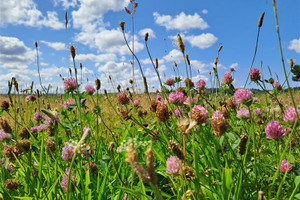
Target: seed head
(5, 125)
(162, 112)
(98, 84)
(243, 143)
(131, 158)
(72, 51)
(261, 18)
(11, 184)
(180, 43)
(146, 36)
(176, 150)
(121, 24)
(187, 59)
(5, 105)
(220, 47)
(291, 63)
(150, 166)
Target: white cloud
(66, 3)
(109, 41)
(25, 12)
(199, 66)
(295, 45)
(147, 30)
(202, 41)
(204, 11)
(14, 54)
(174, 56)
(55, 45)
(181, 21)
(92, 11)
(96, 58)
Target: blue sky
(94, 31)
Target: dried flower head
(4, 105)
(121, 24)
(153, 105)
(189, 82)
(4, 135)
(5, 125)
(11, 184)
(199, 114)
(254, 74)
(150, 165)
(218, 123)
(162, 112)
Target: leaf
(66, 95)
(297, 179)
(297, 196)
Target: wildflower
(125, 197)
(122, 98)
(176, 97)
(257, 112)
(65, 180)
(199, 114)
(70, 84)
(242, 95)
(254, 74)
(243, 113)
(136, 103)
(173, 165)
(162, 112)
(67, 152)
(30, 98)
(5, 125)
(4, 135)
(25, 144)
(285, 166)
(218, 123)
(274, 130)
(201, 84)
(187, 101)
(35, 129)
(153, 105)
(276, 85)
(227, 78)
(170, 82)
(290, 115)
(189, 82)
(231, 104)
(158, 97)
(9, 166)
(232, 69)
(255, 99)
(89, 89)
(51, 118)
(82, 101)
(38, 117)
(4, 105)
(11, 184)
(179, 112)
(67, 103)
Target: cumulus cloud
(147, 30)
(25, 12)
(174, 56)
(96, 58)
(181, 21)
(92, 11)
(66, 3)
(59, 46)
(295, 45)
(14, 54)
(202, 41)
(109, 41)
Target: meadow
(185, 141)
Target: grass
(111, 147)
